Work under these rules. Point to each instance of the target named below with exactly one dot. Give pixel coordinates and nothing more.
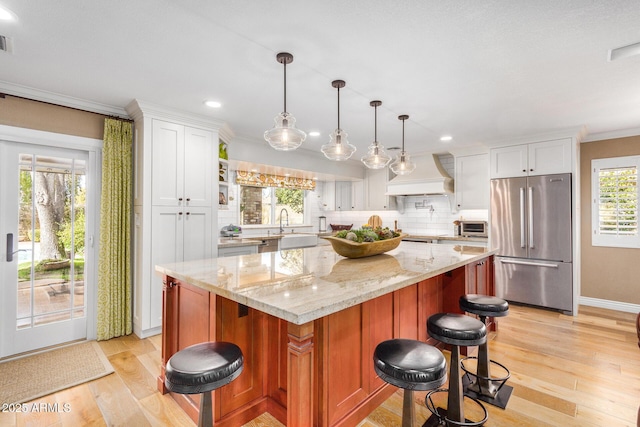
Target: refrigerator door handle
(522, 237)
(531, 245)
(532, 263)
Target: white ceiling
(484, 72)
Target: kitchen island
(307, 321)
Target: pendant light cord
(403, 136)
(375, 124)
(338, 107)
(285, 85)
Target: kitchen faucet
(287, 224)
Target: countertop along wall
(607, 273)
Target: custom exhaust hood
(429, 177)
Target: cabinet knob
(187, 213)
(179, 213)
(530, 170)
(524, 170)
(179, 199)
(188, 199)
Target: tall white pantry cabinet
(175, 179)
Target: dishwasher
(268, 245)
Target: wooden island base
(316, 374)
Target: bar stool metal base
(481, 386)
(500, 399)
(439, 415)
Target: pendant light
(402, 165)
(338, 147)
(376, 157)
(284, 136)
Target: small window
(266, 206)
(614, 189)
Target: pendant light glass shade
(338, 148)
(284, 136)
(376, 157)
(402, 165)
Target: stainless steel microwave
(474, 228)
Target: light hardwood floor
(566, 371)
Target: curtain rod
(4, 95)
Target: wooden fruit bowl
(350, 249)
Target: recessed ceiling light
(6, 15)
(314, 133)
(287, 174)
(213, 104)
(254, 170)
(446, 138)
(624, 51)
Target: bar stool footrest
(439, 415)
(500, 381)
(500, 400)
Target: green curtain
(114, 263)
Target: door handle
(531, 245)
(522, 237)
(531, 263)
(10, 251)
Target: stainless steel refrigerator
(531, 229)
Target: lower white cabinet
(237, 250)
(179, 234)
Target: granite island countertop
(301, 285)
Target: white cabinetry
(175, 179)
(349, 195)
(472, 182)
(181, 159)
(539, 158)
(376, 186)
(237, 250)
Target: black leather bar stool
(410, 365)
(456, 330)
(201, 368)
(480, 384)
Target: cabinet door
(472, 182)
(328, 196)
(198, 166)
(550, 157)
(376, 186)
(357, 196)
(343, 195)
(197, 235)
(508, 162)
(167, 159)
(167, 232)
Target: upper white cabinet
(349, 196)
(539, 158)
(472, 182)
(376, 186)
(182, 173)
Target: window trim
(598, 239)
(274, 212)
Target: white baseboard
(147, 332)
(611, 305)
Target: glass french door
(43, 218)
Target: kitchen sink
(292, 241)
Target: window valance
(256, 179)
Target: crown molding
(622, 133)
(138, 109)
(58, 99)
